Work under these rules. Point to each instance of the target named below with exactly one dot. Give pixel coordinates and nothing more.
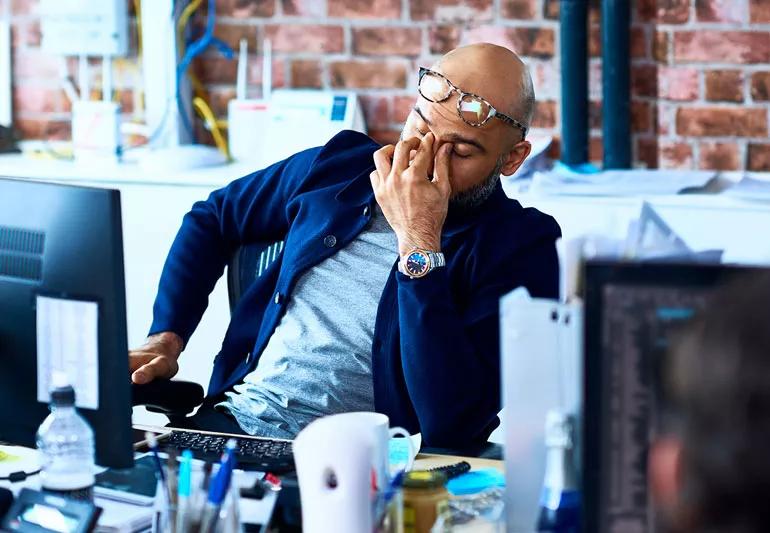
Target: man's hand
(414, 205)
(156, 358)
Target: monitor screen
(62, 308)
(631, 311)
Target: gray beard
(472, 198)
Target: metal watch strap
(436, 259)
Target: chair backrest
(249, 262)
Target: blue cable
(196, 48)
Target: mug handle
(401, 432)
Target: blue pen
(394, 485)
(183, 498)
(152, 443)
(218, 488)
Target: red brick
(647, 152)
(720, 10)
(401, 107)
(545, 114)
(387, 41)
(644, 80)
(759, 157)
(546, 77)
(640, 117)
(533, 42)
(595, 149)
(678, 83)
(369, 9)
(675, 155)
(760, 86)
(551, 9)
(233, 33)
(719, 156)
(304, 8)
(386, 136)
(26, 33)
(519, 9)
(442, 39)
(306, 73)
(23, 7)
(376, 111)
(722, 121)
(660, 46)
(724, 85)
(219, 98)
(452, 10)
(307, 38)
(594, 41)
(673, 11)
(722, 46)
(638, 42)
(646, 10)
(368, 75)
(43, 129)
(278, 74)
(216, 69)
(36, 99)
(245, 8)
(34, 63)
(594, 115)
(759, 10)
(664, 117)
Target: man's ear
(515, 157)
(665, 473)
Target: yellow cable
(182, 23)
(138, 12)
(207, 115)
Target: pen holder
(389, 516)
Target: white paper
(68, 342)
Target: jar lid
(424, 479)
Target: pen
(200, 498)
(183, 498)
(218, 488)
(152, 443)
(171, 477)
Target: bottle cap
(62, 393)
(423, 479)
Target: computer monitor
(631, 310)
(61, 281)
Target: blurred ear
(665, 473)
(515, 157)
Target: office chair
(176, 399)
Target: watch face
(416, 264)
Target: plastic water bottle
(560, 499)
(66, 444)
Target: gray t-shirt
(319, 359)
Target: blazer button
(330, 241)
(366, 211)
(278, 298)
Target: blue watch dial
(416, 264)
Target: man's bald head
(495, 73)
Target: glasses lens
(434, 87)
(474, 110)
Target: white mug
(333, 457)
(378, 425)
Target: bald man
(385, 297)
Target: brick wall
(700, 68)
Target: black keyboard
(264, 455)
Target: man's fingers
(383, 160)
(422, 161)
(374, 177)
(138, 358)
(401, 155)
(159, 367)
(441, 168)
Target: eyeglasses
(472, 108)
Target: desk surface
(425, 461)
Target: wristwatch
(418, 263)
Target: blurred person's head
(480, 153)
(709, 469)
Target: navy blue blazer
(435, 354)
